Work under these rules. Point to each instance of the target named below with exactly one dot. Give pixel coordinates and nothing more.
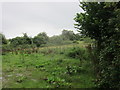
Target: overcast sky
(35, 17)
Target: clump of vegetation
(57, 82)
(54, 70)
(79, 53)
(100, 21)
(20, 79)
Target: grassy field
(51, 67)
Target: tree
(100, 21)
(40, 39)
(26, 39)
(3, 39)
(18, 41)
(68, 35)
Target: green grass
(46, 70)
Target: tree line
(40, 40)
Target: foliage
(40, 39)
(78, 53)
(51, 70)
(69, 35)
(100, 21)
(20, 40)
(3, 39)
(55, 40)
(88, 40)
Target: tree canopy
(40, 39)
(100, 21)
(3, 39)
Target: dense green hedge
(101, 21)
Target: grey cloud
(33, 18)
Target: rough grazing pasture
(48, 68)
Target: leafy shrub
(57, 82)
(20, 79)
(100, 21)
(79, 53)
(110, 68)
(88, 40)
(71, 70)
(75, 41)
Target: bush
(75, 41)
(79, 53)
(100, 21)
